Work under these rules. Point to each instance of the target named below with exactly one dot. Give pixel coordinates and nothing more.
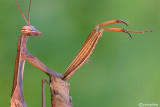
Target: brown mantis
(22, 55)
(82, 56)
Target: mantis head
(28, 29)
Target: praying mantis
(17, 97)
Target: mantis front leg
(90, 44)
(34, 61)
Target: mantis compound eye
(30, 31)
(26, 30)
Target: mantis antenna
(22, 12)
(29, 13)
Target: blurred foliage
(125, 72)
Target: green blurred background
(124, 73)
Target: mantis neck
(22, 42)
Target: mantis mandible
(82, 56)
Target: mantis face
(30, 31)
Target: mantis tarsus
(79, 60)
